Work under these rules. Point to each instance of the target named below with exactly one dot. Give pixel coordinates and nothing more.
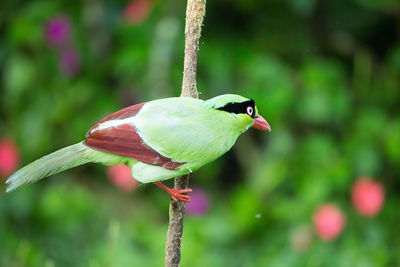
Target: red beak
(261, 124)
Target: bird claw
(179, 194)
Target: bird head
(243, 109)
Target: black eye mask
(238, 108)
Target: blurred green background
(325, 74)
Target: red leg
(178, 194)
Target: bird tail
(61, 160)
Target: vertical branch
(195, 11)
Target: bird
(158, 140)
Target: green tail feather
(53, 163)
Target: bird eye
(250, 111)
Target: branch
(195, 11)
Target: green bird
(158, 140)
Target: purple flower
(69, 62)
(199, 203)
(57, 30)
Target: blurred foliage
(325, 74)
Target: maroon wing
(124, 140)
(119, 115)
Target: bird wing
(118, 135)
(186, 130)
(125, 113)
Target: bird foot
(178, 194)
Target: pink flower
(9, 157)
(367, 196)
(199, 203)
(328, 221)
(57, 30)
(69, 62)
(121, 176)
(137, 11)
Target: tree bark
(195, 11)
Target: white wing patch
(114, 123)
